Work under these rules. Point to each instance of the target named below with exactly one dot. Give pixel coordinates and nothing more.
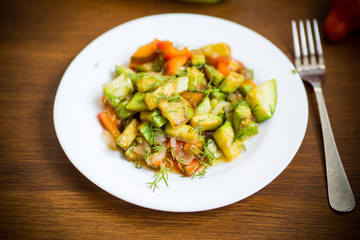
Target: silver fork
(312, 70)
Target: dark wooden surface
(43, 196)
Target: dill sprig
(163, 175)
(159, 147)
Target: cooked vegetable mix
(179, 110)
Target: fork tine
(310, 42)
(318, 44)
(296, 44)
(304, 50)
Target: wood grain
(44, 197)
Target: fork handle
(341, 197)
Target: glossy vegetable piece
(232, 82)
(193, 148)
(144, 54)
(243, 124)
(127, 71)
(246, 86)
(212, 150)
(196, 78)
(193, 98)
(173, 65)
(137, 103)
(146, 82)
(183, 132)
(144, 67)
(262, 100)
(129, 134)
(173, 86)
(218, 95)
(225, 65)
(214, 103)
(207, 121)
(154, 117)
(192, 168)
(198, 59)
(111, 112)
(343, 18)
(225, 139)
(213, 51)
(146, 130)
(204, 106)
(122, 112)
(176, 112)
(130, 154)
(108, 124)
(213, 75)
(118, 89)
(169, 51)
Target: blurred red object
(343, 18)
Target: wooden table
(43, 196)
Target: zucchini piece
(128, 73)
(196, 78)
(213, 75)
(198, 59)
(154, 117)
(262, 100)
(146, 130)
(182, 84)
(118, 89)
(218, 95)
(183, 132)
(145, 67)
(211, 149)
(130, 154)
(232, 82)
(137, 103)
(129, 134)
(146, 82)
(158, 120)
(224, 137)
(173, 86)
(245, 88)
(242, 122)
(177, 112)
(204, 106)
(122, 112)
(207, 121)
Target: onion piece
(156, 159)
(160, 139)
(220, 106)
(109, 140)
(141, 148)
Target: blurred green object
(200, 1)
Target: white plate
(78, 101)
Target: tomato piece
(144, 53)
(170, 51)
(226, 64)
(193, 148)
(174, 64)
(192, 168)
